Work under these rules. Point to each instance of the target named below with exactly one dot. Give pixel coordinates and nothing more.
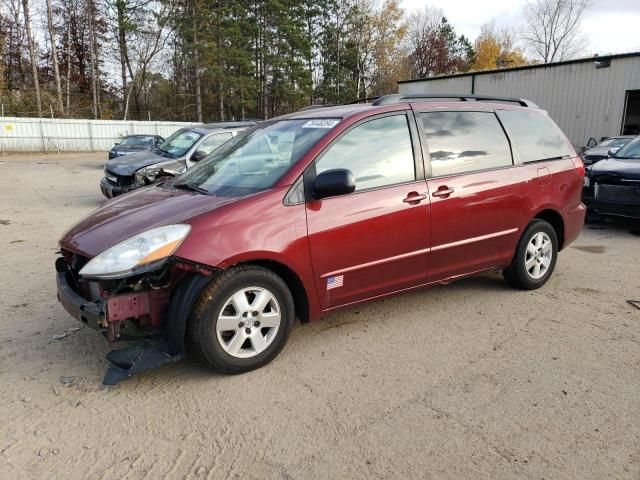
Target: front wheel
(242, 320)
(535, 257)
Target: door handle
(413, 198)
(443, 191)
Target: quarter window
(461, 142)
(378, 153)
(534, 135)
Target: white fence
(68, 135)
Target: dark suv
(321, 209)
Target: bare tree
(54, 56)
(552, 29)
(196, 63)
(150, 40)
(15, 35)
(32, 54)
(422, 26)
(95, 85)
(364, 38)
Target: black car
(172, 157)
(133, 144)
(605, 148)
(612, 186)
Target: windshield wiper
(188, 186)
(163, 153)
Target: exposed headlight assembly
(136, 253)
(149, 174)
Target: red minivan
(319, 210)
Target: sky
(610, 26)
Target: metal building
(591, 97)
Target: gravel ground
(472, 380)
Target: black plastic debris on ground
(635, 303)
(135, 359)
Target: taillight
(577, 161)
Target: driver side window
(378, 153)
(213, 142)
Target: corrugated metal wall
(585, 101)
(460, 84)
(52, 135)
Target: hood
(130, 148)
(129, 164)
(604, 151)
(621, 168)
(130, 214)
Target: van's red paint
(376, 241)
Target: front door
(477, 194)
(374, 240)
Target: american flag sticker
(335, 282)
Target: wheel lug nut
(247, 331)
(245, 314)
(241, 324)
(256, 324)
(255, 314)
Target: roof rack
(323, 105)
(463, 97)
(363, 99)
(314, 106)
(212, 125)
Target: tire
(530, 253)
(215, 335)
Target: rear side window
(378, 153)
(534, 135)
(461, 142)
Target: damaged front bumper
(111, 190)
(89, 313)
(108, 313)
(153, 310)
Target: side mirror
(592, 142)
(333, 182)
(198, 155)
(116, 144)
(612, 151)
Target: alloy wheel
(248, 322)
(538, 255)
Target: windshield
(630, 150)
(137, 141)
(257, 158)
(179, 143)
(615, 142)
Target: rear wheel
(535, 257)
(242, 320)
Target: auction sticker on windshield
(321, 124)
